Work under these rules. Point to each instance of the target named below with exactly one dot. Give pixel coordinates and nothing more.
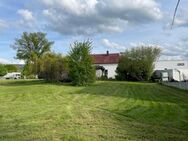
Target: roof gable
(112, 58)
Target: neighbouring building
(106, 64)
(168, 70)
(172, 69)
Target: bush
(53, 67)
(12, 68)
(3, 70)
(81, 69)
(31, 76)
(28, 70)
(137, 64)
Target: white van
(13, 75)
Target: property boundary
(180, 85)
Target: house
(167, 70)
(106, 64)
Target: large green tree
(137, 64)
(31, 46)
(81, 69)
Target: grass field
(105, 111)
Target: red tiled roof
(111, 58)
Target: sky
(113, 25)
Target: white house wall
(98, 73)
(111, 69)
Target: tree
(81, 69)
(3, 70)
(12, 68)
(31, 46)
(137, 64)
(53, 67)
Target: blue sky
(113, 25)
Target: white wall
(98, 73)
(161, 65)
(173, 64)
(111, 69)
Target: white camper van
(13, 75)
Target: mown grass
(105, 111)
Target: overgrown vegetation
(53, 67)
(137, 64)
(81, 69)
(8, 68)
(12, 68)
(3, 70)
(105, 111)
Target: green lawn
(105, 111)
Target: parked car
(13, 75)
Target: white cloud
(181, 22)
(181, 19)
(112, 45)
(4, 61)
(26, 14)
(98, 16)
(3, 24)
(27, 18)
(13, 61)
(178, 51)
(21, 62)
(121, 47)
(178, 22)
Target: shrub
(52, 67)
(28, 71)
(137, 64)
(3, 70)
(12, 68)
(81, 69)
(31, 76)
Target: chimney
(107, 52)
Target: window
(180, 64)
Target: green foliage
(31, 76)
(81, 69)
(137, 64)
(27, 70)
(30, 47)
(12, 68)
(3, 70)
(53, 67)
